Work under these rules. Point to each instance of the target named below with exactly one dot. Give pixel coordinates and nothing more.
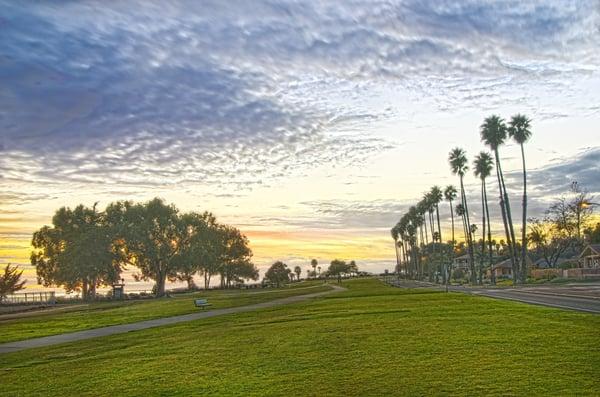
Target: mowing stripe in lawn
(123, 328)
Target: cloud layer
(239, 93)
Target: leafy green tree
(519, 130)
(592, 234)
(10, 281)
(151, 235)
(199, 247)
(235, 257)
(78, 252)
(548, 241)
(298, 271)
(352, 267)
(337, 268)
(493, 133)
(482, 165)
(278, 274)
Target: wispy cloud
(238, 92)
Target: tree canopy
(10, 281)
(278, 274)
(85, 248)
(76, 252)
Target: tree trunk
(160, 284)
(524, 231)
(190, 282)
(482, 232)
(503, 210)
(397, 257)
(469, 235)
(92, 291)
(437, 212)
(513, 245)
(452, 217)
(84, 290)
(487, 215)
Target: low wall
(582, 273)
(546, 273)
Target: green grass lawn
(372, 340)
(112, 313)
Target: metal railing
(30, 298)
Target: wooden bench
(201, 303)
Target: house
(461, 262)
(590, 257)
(541, 264)
(503, 269)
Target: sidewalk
(123, 328)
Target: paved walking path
(123, 328)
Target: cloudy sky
(310, 125)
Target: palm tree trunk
(437, 213)
(487, 215)
(503, 210)
(469, 235)
(513, 244)
(397, 257)
(452, 217)
(482, 232)
(524, 230)
(431, 227)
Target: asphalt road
(559, 299)
(584, 297)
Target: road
(562, 300)
(584, 297)
(123, 328)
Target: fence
(582, 273)
(30, 298)
(546, 273)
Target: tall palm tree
(493, 133)
(519, 130)
(314, 264)
(460, 211)
(421, 211)
(458, 164)
(429, 210)
(450, 195)
(436, 198)
(482, 165)
(395, 234)
(413, 222)
(403, 234)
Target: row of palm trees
(411, 233)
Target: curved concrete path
(123, 328)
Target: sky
(311, 126)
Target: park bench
(201, 303)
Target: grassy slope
(370, 340)
(113, 313)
